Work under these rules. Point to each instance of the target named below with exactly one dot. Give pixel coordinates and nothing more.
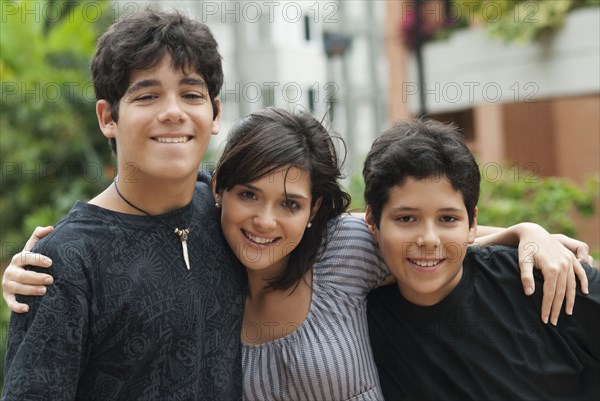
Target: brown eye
(291, 205)
(247, 195)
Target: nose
(171, 111)
(265, 219)
(428, 238)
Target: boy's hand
(557, 258)
(17, 280)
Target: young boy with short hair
(456, 325)
(147, 300)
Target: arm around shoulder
(46, 348)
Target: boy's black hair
(141, 41)
(419, 149)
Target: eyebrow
(194, 81)
(145, 83)
(412, 209)
(148, 83)
(289, 195)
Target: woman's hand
(558, 261)
(557, 258)
(17, 280)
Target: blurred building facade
(320, 56)
(534, 106)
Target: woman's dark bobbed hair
(271, 139)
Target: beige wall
(577, 124)
(557, 137)
(397, 56)
(530, 136)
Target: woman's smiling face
(263, 221)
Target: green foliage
(510, 196)
(519, 21)
(51, 149)
(514, 196)
(356, 188)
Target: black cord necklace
(182, 233)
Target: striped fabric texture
(328, 357)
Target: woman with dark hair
(304, 331)
(310, 266)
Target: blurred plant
(436, 23)
(356, 188)
(51, 149)
(508, 199)
(519, 21)
(551, 202)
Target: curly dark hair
(141, 41)
(419, 149)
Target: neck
(153, 196)
(257, 284)
(431, 298)
(258, 279)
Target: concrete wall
(554, 137)
(546, 113)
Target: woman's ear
(213, 183)
(107, 125)
(315, 208)
(216, 195)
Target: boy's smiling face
(165, 123)
(423, 235)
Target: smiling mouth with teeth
(170, 139)
(258, 240)
(425, 263)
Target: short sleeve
(349, 260)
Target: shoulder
(88, 234)
(215, 251)
(82, 228)
(493, 256)
(349, 258)
(348, 229)
(205, 213)
(203, 193)
(347, 238)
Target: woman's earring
(217, 205)
(309, 225)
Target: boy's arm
(557, 263)
(46, 348)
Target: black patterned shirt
(125, 319)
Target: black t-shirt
(125, 319)
(486, 340)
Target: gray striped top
(328, 357)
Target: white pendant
(183, 236)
